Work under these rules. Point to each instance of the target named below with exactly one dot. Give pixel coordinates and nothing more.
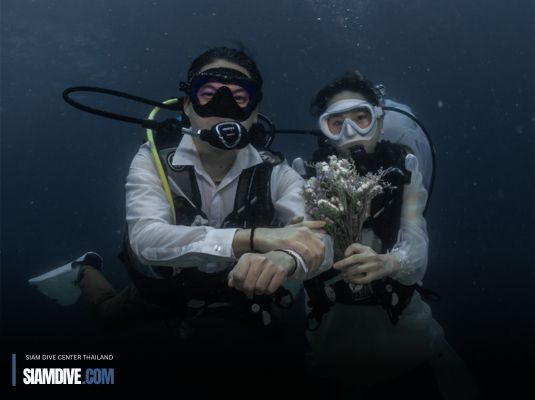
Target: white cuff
(403, 257)
(218, 242)
(300, 261)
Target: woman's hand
(363, 265)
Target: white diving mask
(350, 131)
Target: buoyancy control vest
(174, 288)
(384, 220)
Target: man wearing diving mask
(225, 93)
(223, 89)
(228, 202)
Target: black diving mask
(223, 92)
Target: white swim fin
(61, 284)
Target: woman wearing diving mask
(385, 341)
(352, 121)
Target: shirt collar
(186, 154)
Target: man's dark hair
(236, 56)
(352, 81)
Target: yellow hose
(159, 167)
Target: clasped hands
(265, 271)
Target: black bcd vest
(252, 207)
(384, 220)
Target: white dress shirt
(156, 241)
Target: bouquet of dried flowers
(341, 196)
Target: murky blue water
(465, 68)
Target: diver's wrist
(291, 261)
(241, 242)
(259, 241)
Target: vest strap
(390, 294)
(253, 207)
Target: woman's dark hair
(352, 81)
(238, 57)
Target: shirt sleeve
(288, 201)
(411, 247)
(153, 237)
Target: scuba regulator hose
(225, 135)
(172, 104)
(148, 123)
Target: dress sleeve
(412, 243)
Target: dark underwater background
(465, 67)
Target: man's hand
(302, 239)
(363, 265)
(261, 273)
